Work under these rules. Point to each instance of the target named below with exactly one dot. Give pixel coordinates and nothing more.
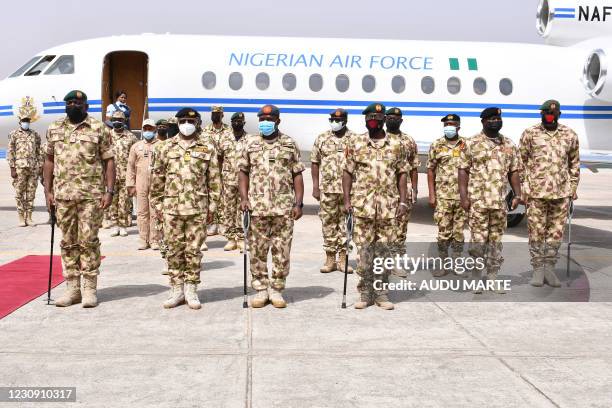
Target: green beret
(161, 122)
(268, 110)
(339, 113)
(76, 94)
(451, 117)
(550, 105)
(187, 113)
(237, 115)
(490, 112)
(394, 111)
(374, 108)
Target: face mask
(148, 135)
(187, 129)
(173, 130)
(118, 125)
(267, 127)
(75, 114)
(215, 117)
(336, 126)
(450, 132)
(237, 126)
(549, 119)
(393, 125)
(374, 124)
(25, 125)
(494, 126)
(162, 132)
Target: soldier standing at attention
(488, 161)
(79, 178)
(272, 189)
(550, 155)
(442, 167)
(184, 187)
(375, 175)
(328, 155)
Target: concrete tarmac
(434, 350)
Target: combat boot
(276, 298)
(365, 300)
(72, 295)
(550, 277)
(106, 224)
(230, 246)
(204, 247)
(383, 302)
(438, 273)
(477, 276)
(191, 296)
(241, 246)
(342, 262)
(123, 232)
(28, 219)
(115, 232)
(538, 277)
(176, 296)
(211, 230)
(260, 299)
(154, 246)
(22, 222)
(330, 263)
(142, 245)
(90, 284)
(498, 288)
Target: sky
(40, 24)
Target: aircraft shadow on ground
(129, 291)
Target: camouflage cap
(148, 122)
(490, 112)
(339, 113)
(237, 115)
(394, 111)
(76, 94)
(172, 120)
(161, 122)
(268, 110)
(188, 113)
(216, 108)
(550, 104)
(451, 117)
(118, 115)
(374, 108)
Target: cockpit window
(24, 67)
(40, 65)
(62, 66)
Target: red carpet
(25, 279)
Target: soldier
(375, 175)
(173, 129)
(549, 151)
(78, 167)
(184, 187)
(162, 127)
(24, 161)
(138, 184)
(42, 158)
(442, 166)
(487, 162)
(328, 155)
(230, 151)
(272, 189)
(121, 208)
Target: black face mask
(118, 125)
(76, 114)
(162, 132)
(393, 125)
(494, 127)
(238, 127)
(173, 130)
(215, 117)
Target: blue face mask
(148, 135)
(267, 127)
(450, 132)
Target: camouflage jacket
(551, 161)
(230, 150)
(489, 164)
(78, 152)
(375, 171)
(23, 149)
(185, 180)
(412, 151)
(443, 159)
(216, 134)
(328, 152)
(122, 143)
(271, 168)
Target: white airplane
(307, 78)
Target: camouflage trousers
(375, 238)
(545, 222)
(144, 213)
(487, 227)
(121, 208)
(25, 189)
(273, 233)
(333, 222)
(233, 216)
(451, 220)
(183, 235)
(79, 221)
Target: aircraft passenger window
(315, 82)
(453, 85)
(209, 80)
(24, 67)
(398, 84)
(40, 66)
(505, 86)
(342, 83)
(62, 66)
(368, 83)
(262, 81)
(289, 82)
(480, 86)
(235, 81)
(428, 85)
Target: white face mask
(25, 125)
(187, 129)
(336, 126)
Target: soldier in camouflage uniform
(230, 152)
(272, 189)
(550, 155)
(163, 135)
(184, 187)
(328, 156)
(23, 157)
(487, 162)
(78, 167)
(121, 208)
(374, 184)
(42, 158)
(442, 166)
